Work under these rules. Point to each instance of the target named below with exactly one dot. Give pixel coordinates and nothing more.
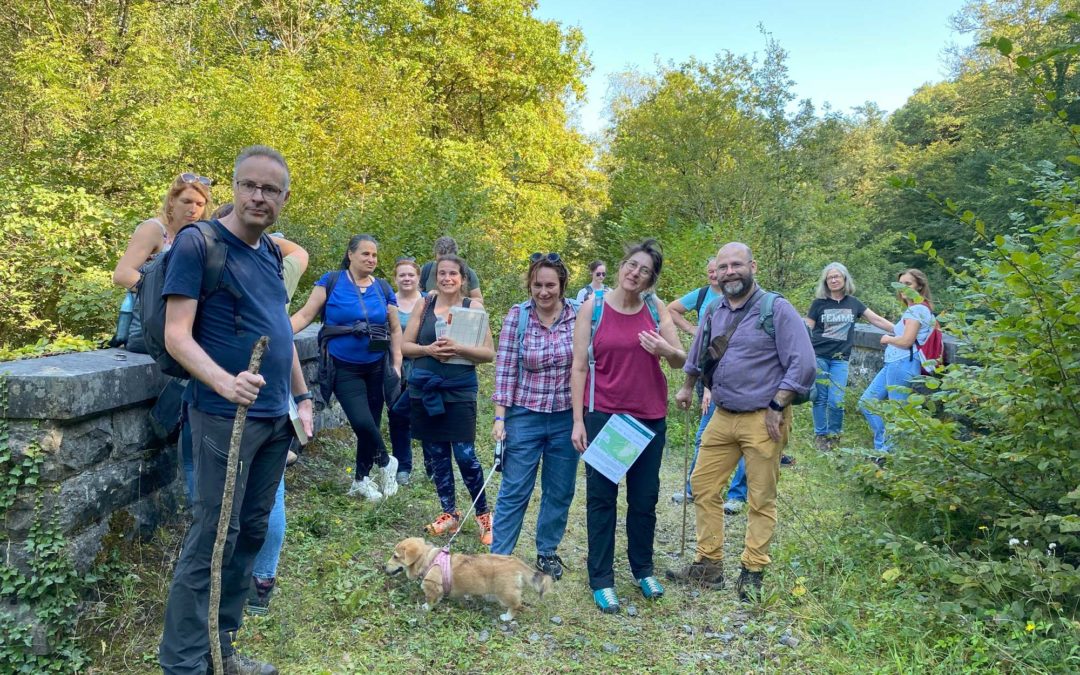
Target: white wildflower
(1013, 541)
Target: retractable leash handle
(498, 455)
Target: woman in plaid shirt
(533, 413)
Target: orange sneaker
(446, 523)
(484, 521)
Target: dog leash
(495, 466)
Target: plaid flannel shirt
(542, 381)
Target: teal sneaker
(651, 588)
(606, 600)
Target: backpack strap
(654, 311)
(597, 314)
(523, 323)
(330, 284)
(765, 321)
(702, 292)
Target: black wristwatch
(306, 396)
(776, 406)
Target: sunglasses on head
(404, 259)
(195, 178)
(552, 257)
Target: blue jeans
(893, 383)
(472, 474)
(737, 488)
(829, 405)
(530, 437)
(266, 561)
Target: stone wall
(103, 468)
(868, 356)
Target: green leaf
(1004, 45)
(1023, 62)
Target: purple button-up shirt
(755, 366)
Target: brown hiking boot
(705, 573)
(821, 443)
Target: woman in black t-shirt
(831, 319)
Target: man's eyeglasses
(552, 257)
(247, 189)
(190, 178)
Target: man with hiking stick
(210, 331)
(754, 374)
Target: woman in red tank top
(635, 331)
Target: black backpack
(152, 304)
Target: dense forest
(409, 119)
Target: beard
(736, 288)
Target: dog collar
(442, 559)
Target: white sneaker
(680, 497)
(733, 506)
(365, 488)
(388, 477)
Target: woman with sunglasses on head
(622, 336)
(533, 416)
(186, 201)
(442, 396)
(597, 274)
(362, 338)
(407, 280)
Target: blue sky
(845, 52)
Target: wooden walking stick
(686, 475)
(226, 512)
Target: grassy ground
(834, 602)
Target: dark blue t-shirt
(343, 308)
(255, 274)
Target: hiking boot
(787, 460)
(733, 507)
(821, 443)
(705, 573)
(484, 522)
(749, 585)
(606, 600)
(680, 497)
(388, 477)
(446, 523)
(365, 488)
(551, 565)
(258, 600)
(238, 664)
(403, 477)
(834, 442)
(651, 588)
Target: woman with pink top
(627, 330)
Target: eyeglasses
(599, 274)
(190, 178)
(247, 189)
(633, 266)
(552, 257)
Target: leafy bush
(990, 466)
